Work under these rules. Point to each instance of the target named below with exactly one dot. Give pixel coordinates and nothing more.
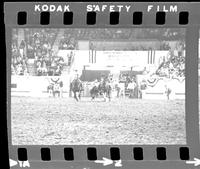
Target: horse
(76, 87)
(94, 92)
(103, 88)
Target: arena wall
(36, 86)
(157, 90)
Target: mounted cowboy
(76, 87)
(105, 87)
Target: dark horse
(76, 87)
(94, 92)
(104, 88)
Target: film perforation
(45, 154)
(45, 18)
(138, 153)
(68, 18)
(115, 153)
(22, 154)
(22, 18)
(183, 18)
(184, 153)
(160, 18)
(114, 18)
(91, 18)
(91, 153)
(68, 154)
(161, 153)
(137, 18)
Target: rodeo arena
(98, 86)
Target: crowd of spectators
(71, 35)
(37, 45)
(162, 46)
(19, 60)
(120, 33)
(174, 65)
(67, 44)
(126, 46)
(52, 66)
(68, 41)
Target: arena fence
(36, 86)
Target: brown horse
(104, 88)
(76, 87)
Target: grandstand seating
(126, 34)
(44, 43)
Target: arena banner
(131, 58)
(156, 87)
(115, 58)
(94, 85)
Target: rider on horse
(77, 87)
(105, 86)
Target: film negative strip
(110, 84)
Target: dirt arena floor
(56, 121)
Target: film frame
(174, 153)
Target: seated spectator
(50, 71)
(20, 69)
(65, 46)
(22, 47)
(58, 71)
(39, 71)
(71, 46)
(38, 63)
(13, 69)
(44, 52)
(44, 68)
(53, 63)
(45, 45)
(26, 71)
(30, 51)
(61, 62)
(48, 62)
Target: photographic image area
(98, 86)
